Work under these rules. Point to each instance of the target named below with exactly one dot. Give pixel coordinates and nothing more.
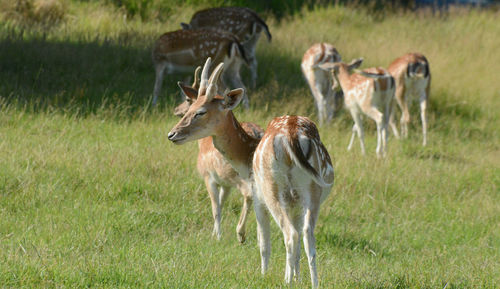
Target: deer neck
(344, 79)
(231, 140)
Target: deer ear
(355, 63)
(233, 98)
(327, 66)
(234, 51)
(185, 26)
(188, 91)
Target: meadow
(92, 194)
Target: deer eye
(200, 113)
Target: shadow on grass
(85, 75)
(79, 74)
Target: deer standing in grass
(369, 92)
(293, 171)
(244, 23)
(413, 80)
(324, 88)
(293, 175)
(183, 50)
(218, 174)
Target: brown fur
(210, 40)
(237, 20)
(400, 69)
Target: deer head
(208, 110)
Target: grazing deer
(290, 160)
(371, 92)
(413, 80)
(325, 89)
(293, 175)
(183, 50)
(218, 174)
(244, 23)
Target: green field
(92, 194)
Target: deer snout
(171, 135)
(176, 137)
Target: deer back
(408, 65)
(290, 142)
(320, 53)
(190, 48)
(244, 23)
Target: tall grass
(93, 195)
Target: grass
(93, 195)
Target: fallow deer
(293, 175)
(218, 174)
(413, 80)
(183, 50)
(371, 92)
(292, 147)
(325, 89)
(244, 23)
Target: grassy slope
(92, 194)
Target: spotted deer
(369, 91)
(183, 50)
(324, 88)
(293, 175)
(243, 22)
(290, 160)
(218, 174)
(413, 80)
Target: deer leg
(213, 192)
(223, 193)
(385, 126)
(321, 105)
(247, 202)
(263, 233)
(391, 120)
(249, 47)
(253, 71)
(291, 237)
(399, 96)
(358, 125)
(298, 224)
(316, 90)
(405, 119)
(159, 70)
(423, 107)
(378, 117)
(310, 218)
(353, 135)
(379, 140)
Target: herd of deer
(285, 169)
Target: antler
(196, 82)
(204, 77)
(212, 82)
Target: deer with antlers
(324, 88)
(413, 80)
(243, 22)
(218, 174)
(183, 50)
(290, 167)
(369, 91)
